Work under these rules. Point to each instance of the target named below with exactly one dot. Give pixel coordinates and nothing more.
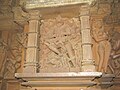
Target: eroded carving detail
(3, 50)
(114, 63)
(102, 45)
(14, 55)
(61, 45)
(30, 4)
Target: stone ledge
(106, 84)
(32, 4)
(59, 83)
(72, 79)
(58, 79)
(106, 78)
(117, 81)
(59, 75)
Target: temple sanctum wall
(59, 45)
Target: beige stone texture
(59, 45)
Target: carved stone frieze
(11, 3)
(60, 45)
(14, 55)
(114, 16)
(3, 50)
(7, 5)
(56, 51)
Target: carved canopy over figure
(103, 46)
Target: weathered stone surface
(30, 4)
(31, 63)
(60, 43)
(55, 54)
(103, 47)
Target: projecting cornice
(32, 4)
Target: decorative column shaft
(31, 62)
(87, 60)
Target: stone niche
(65, 45)
(60, 45)
(68, 50)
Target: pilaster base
(30, 68)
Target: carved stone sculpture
(14, 56)
(61, 45)
(103, 46)
(3, 50)
(114, 63)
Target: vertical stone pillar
(31, 62)
(87, 60)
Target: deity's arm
(54, 49)
(95, 36)
(70, 50)
(99, 38)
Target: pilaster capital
(34, 15)
(20, 16)
(85, 10)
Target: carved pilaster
(87, 60)
(32, 45)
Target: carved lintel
(30, 4)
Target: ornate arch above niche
(60, 45)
